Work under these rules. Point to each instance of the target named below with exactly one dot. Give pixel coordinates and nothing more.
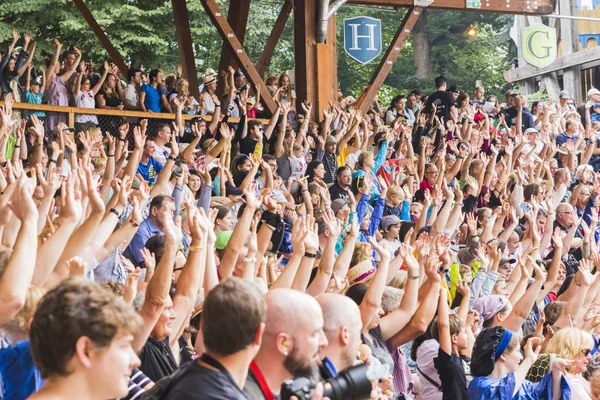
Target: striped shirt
(137, 384)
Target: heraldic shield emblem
(538, 45)
(362, 38)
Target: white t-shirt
(389, 246)
(161, 153)
(85, 100)
(298, 167)
(131, 94)
(208, 105)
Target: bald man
(291, 343)
(342, 329)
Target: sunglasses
(586, 352)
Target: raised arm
(394, 322)
(190, 280)
(67, 75)
(158, 287)
(16, 278)
(239, 236)
(371, 303)
(98, 85)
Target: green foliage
(462, 59)
(144, 33)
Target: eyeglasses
(432, 172)
(586, 352)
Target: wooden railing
(72, 111)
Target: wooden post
(385, 66)
(184, 44)
(235, 47)
(265, 57)
(237, 18)
(305, 45)
(113, 53)
(570, 45)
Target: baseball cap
(222, 239)
(597, 104)
(390, 220)
(564, 94)
(593, 91)
(338, 204)
(507, 260)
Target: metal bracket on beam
(423, 3)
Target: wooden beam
(184, 44)
(562, 62)
(305, 43)
(387, 62)
(235, 47)
(265, 57)
(113, 53)
(495, 6)
(569, 41)
(237, 18)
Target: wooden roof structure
(315, 63)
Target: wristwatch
(310, 255)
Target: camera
(353, 383)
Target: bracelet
(112, 210)
(413, 276)
(250, 259)
(52, 160)
(120, 139)
(304, 190)
(16, 147)
(111, 155)
(134, 223)
(310, 255)
(195, 248)
(172, 158)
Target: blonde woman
(189, 103)
(575, 345)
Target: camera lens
(350, 384)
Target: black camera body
(350, 384)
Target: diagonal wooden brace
(113, 53)
(237, 50)
(387, 62)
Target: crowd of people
(449, 242)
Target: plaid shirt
(331, 165)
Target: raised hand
(311, 243)
(21, 202)
(76, 266)
(299, 234)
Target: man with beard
(339, 190)
(291, 343)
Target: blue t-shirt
(562, 138)
(19, 374)
(150, 171)
(32, 98)
(152, 100)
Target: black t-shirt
(337, 192)
(157, 359)
(452, 376)
(443, 100)
(204, 383)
